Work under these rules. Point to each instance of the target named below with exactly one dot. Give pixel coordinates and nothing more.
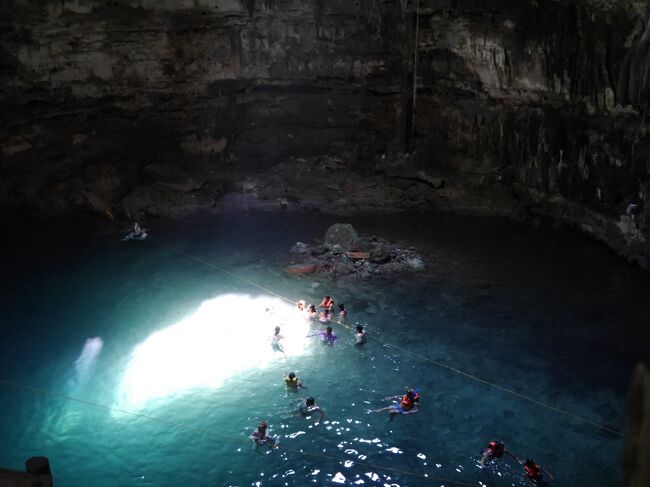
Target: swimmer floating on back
(408, 404)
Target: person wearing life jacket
(327, 303)
(310, 408)
(261, 438)
(493, 451)
(292, 382)
(535, 474)
(408, 404)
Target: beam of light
(226, 335)
(85, 364)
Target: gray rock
(299, 248)
(341, 235)
(415, 263)
(379, 254)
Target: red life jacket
(533, 471)
(409, 400)
(497, 448)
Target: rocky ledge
(344, 253)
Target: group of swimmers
(402, 404)
(495, 450)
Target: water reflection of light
(227, 334)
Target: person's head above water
(328, 330)
(312, 308)
(277, 330)
(262, 426)
(341, 307)
(359, 328)
(310, 401)
(292, 375)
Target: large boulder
(341, 237)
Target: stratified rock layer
(514, 107)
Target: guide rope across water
(406, 351)
(206, 432)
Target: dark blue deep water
(545, 313)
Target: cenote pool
(178, 370)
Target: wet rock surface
(519, 108)
(367, 257)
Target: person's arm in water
(546, 472)
(390, 398)
(320, 411)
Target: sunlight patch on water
(226, 335)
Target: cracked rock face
(143, 107)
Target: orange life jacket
(409, 400)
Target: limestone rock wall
(525, 107)
(545, 101)
(93, 91)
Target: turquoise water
(546, 313)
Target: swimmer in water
(408, 404)
(261, 438)
(327, 337)
(534, 473)
(275, 340)
(360, 336)
(327, 303)
(492, 452)
(300, 305)
(310, 408)
(343, 313)
(311, 312)
(324, 316)
(292, 382)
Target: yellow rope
(45, 392)
(415, 354)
